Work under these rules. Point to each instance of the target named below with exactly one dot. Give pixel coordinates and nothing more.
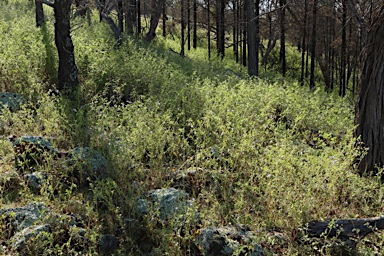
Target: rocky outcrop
(88, 164)
(167, 202)
(227, 240)
(31, 151)
(108, 244)
(10, 100)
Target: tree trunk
(67, 71)
(209, 28)
(282, 58)
(138, 18)
(164, 20)
(40, 20)
(194, 24)
(120, 16)
(313, 47)
(345, 228)
(251, 42)
(370, 104)
(244, 34)
(343, 63)
(182, 51)
(304, 46)
(130, 12)
(220, 8)
(188, 25)
(234, 31)
(157, 7)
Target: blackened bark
(251, 42)
(157, 9)
(282, 57)
(164, 20)
(194, 45)
(67, 72)
(343, 50)
(209, 28)
(40, 20)
(303, 42)
(120, 16)
(234, 32)
(313, 47)
(182, 51)
(244, 41)
(138, 17)
(369, 116)
(188, 25)
(130, 12)
(220, 10)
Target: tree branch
(47, 2)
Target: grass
(278, 154)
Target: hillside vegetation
(275, 155)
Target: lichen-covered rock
(168, 203)
(10, 100)
(89, 164)
(227, 240)
(108, 244)
(31, 151)
(20, 218)
(21, 237)
(35, 180)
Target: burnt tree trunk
(251, 42)
(345, 228)
(304, 43)
(313, 47)
(157, 9)
(40, 20)
(194, 24)
(282, 57)
(220, 23)
(67, 72)
(209, 28)
(369, 116)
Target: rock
(108, 244)
(168, 204)
(89, 164)
(10, 100)
(35, 180)
(31, 151)
(228, 239)
(21, 237)
(23, 217)
(171, 202)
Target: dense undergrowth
(280, 154)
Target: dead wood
(345, 228)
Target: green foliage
(277, 155)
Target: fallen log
(345, 229)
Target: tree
(252, 37)
(220, 24)
(369, 116)
(40, 20)
(313, 46)
(156, 11)
(282, 58)
(194, 24)
(67, 71)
